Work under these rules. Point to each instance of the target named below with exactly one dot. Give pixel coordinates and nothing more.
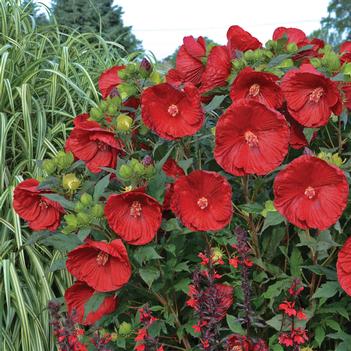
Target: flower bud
(217, 254)
(49, 166)
(126, 90)
(143, 129)
(139, 169)
(287, 63)
(147, 160)
(64, 160)
(71, 220)
(114, 337)
(271, 45)
(103, 105)
(83, 218)
(125, 172)
(124, 123)
(149, 171)
(79, 207)
(70, 182)
(96, 114)
(249, 55)
(112, 109)
(292, 48)
(315, 62)
(97, 211)
(124, 328)
(331, 61)
(145, 67)
(238, 64)
(86, 199)
(347, 69)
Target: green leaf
(215, 103)
(93, 304)
(308, 132)
(275, 61)
(276, 322)
(254, 208)
(149, 275)
(145, 254)
(62, 242)
(272, 219)
(36, 236)
(83, 233)
(296, 262)
(183, 285)
(319, 335)
(69, 205)
(58, 265)
(157, 186)
(327, 290)
(100, 187)
(234, 325)
(185, 164)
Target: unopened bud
(125, 328)
(86, 199)
(124, 123)
(49, 166)
(70, 181)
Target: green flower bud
(49, 166)
(347, 69)
(149, 171)
(125, 172)
(64, 160)
(315, 62)
(155, 77)
(143, 129)
(249, 55)
(86, 199)
(124, 328)
(124, 123)
(287, 63)
(139, 169)
(112, 109)
(331, 61)
(123, 74)
(238, 64)
(268, 207)
(103, 105)
(79, 207)
(271, 45)
(68, 229)
(96, 114)
(70, 182)
(97, 210)
(71, 220)
(116, 100)
(83, 218)
(217, 254)
(114, 337)
(292, 48)
(126, 90)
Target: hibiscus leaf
(62, 242)
(185, 164)
(48, 183)
(254, 208)
(101, 186)
(145, 254)
(57, 265)
(93, 304)
(157, 186)
(36, 236)
(272, 219)
(277, 60)
(234, 325)
(149, 275)
(319, 335)
(296, 261)
(327, 290)
(276, 322)
(215, 103)
(69, 205)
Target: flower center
(316, 94)
(202, 203)
(135, 209)
(254, 90)
(43, 203)
(173, 110)
(101, 146)
(310, 192)
(102, 258)
(251, 139)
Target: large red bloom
(240, 40)
(96, 146)
(343, 267)
(170, 112)
(134, 216)
(259, 86)
(189, 65)
(109, 80)
(310, 193)
(78, 295)
(203, 201)
(345, 50)
(311, 97)
(30, 204)
(217, 69)
(251, 138)
(294, 35)
(103, 266)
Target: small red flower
(343, 266)
(203, 201)
(40, 212)
(217, 69)
(78, 295)
(286, 339)
(238, 342)
(170, 112)
(294, 35)
(104, 267)
(134, 216)
(234, 262)
(299, 336)
(96, 146)
(251, 138)
(240, 40)
(301, 315)
(109, 80)
(311, 97)
(259, 86)
(288, 308)
(310, 193)
(189, 65)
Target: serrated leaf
(319, 335)
(101, 186)
(149, 275)
(327, 290)
(276, 322)
(234, 325)
(183, 285)
(145, 254)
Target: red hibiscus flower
(134, 216)
(251, 138)
(238, 342)
(78, 295)
(294, 35)
(345, 50)
(311, 97)
(30, 204)
(104, 267)
(217, 70)
(343, 266)
(109, 80)
(189, 65)
(346, 90)
(203, 201)
(240, 40)
(96, 146)
(259, 86)
(310, 193)
(170, 112)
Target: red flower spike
(288, 308)
(203, 201)
(40, 212)
(170, 112)
(104, 267)
(78, 295)
(343, 267)
(96, 146)
(311, 97)
(259, 86)
(310, 193)
(251, 138)
(217, 70)
(134, 216)
(109, 80)
(240, 40)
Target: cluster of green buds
(70, 182)
(334, 159)
(60, 162)
(109, 107)
(134, 171)
(86, 212)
